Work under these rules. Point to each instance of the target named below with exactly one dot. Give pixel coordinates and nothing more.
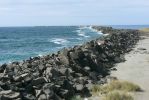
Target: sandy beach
(136, 68)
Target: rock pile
(71, 71)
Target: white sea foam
(40, 55)
(99, 32)
(59, 41)
(83, 34)
(94, 30)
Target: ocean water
(20, 43)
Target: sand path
(136, 68)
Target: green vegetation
(115, 95)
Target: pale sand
(136, 69)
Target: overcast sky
(73, 12)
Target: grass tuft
(116, 85)
(115, 95)
(121, 85)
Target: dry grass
(115, 90)
(145, 30)
(115, 95)
(116, 85)
(121, 85)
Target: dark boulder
(39, 80)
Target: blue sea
(20, 43)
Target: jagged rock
(78, 75)
(141, 48)
(9, 95)
(48, 65)
(27, 96)
(42, 97)
(2, 68)
(73, 55)
(64, 60)
(62, 71)
(87, 68)
(48, 89)
(63, 93)
(79, 87)
(38, 92)
(89, 86)
(39, 80)
(55, 73)
(21, 77)
(41, 67)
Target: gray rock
(21, 77)
(42, 97)
(79, 87)
(63, 59)
(39, 80)
(38, 92)
(142, 49)
(9, 95)
(2, 68)
(27, 96)
(87, 68)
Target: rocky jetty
(68, 72)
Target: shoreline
(138, 60)
(56, 41)
(69, 72)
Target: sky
(73, 12)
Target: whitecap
(79, 38)
(100, 32)
(40, 55)
(59, 41)
(83, 34)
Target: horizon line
(76, 25)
